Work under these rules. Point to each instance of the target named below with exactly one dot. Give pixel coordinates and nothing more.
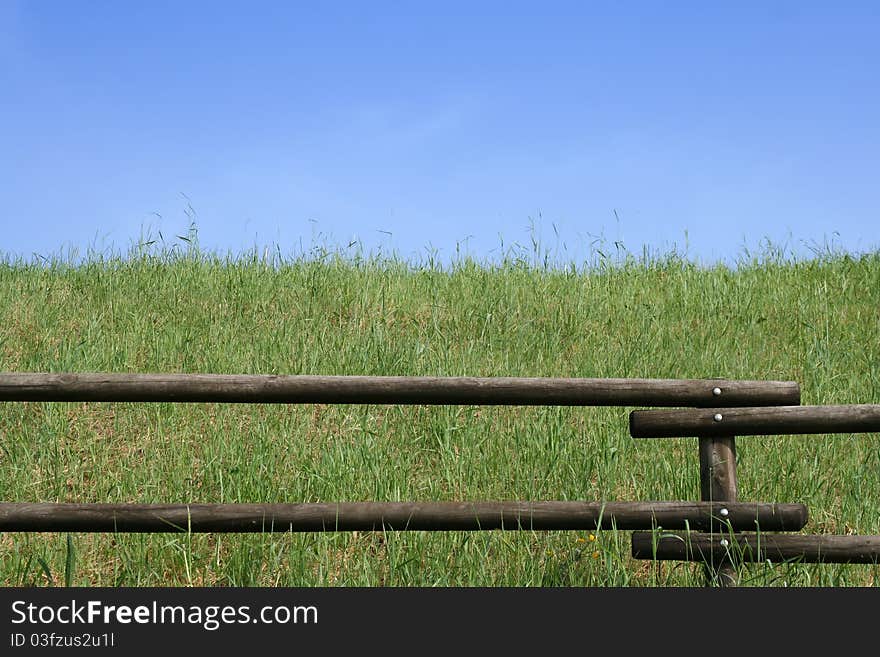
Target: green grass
(813, 321)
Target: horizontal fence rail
(298, 389)
(395, 516)
(776, 548)
(854, 418)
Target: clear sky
(413, 127)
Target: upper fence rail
(305, 389)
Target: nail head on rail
(718, 417)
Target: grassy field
(813, 321)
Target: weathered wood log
(295, 389)
(819, 548)
(718, 484)
(718, 481)
(395, 516)
(778, 420)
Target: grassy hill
(816, 322)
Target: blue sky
(708, 128)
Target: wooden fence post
(718, 484)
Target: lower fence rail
(816, 548)
(398, 516)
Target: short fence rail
(723, 547)
(780, 420)
(719, 530)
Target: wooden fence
(721, 528)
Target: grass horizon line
(535, 255)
